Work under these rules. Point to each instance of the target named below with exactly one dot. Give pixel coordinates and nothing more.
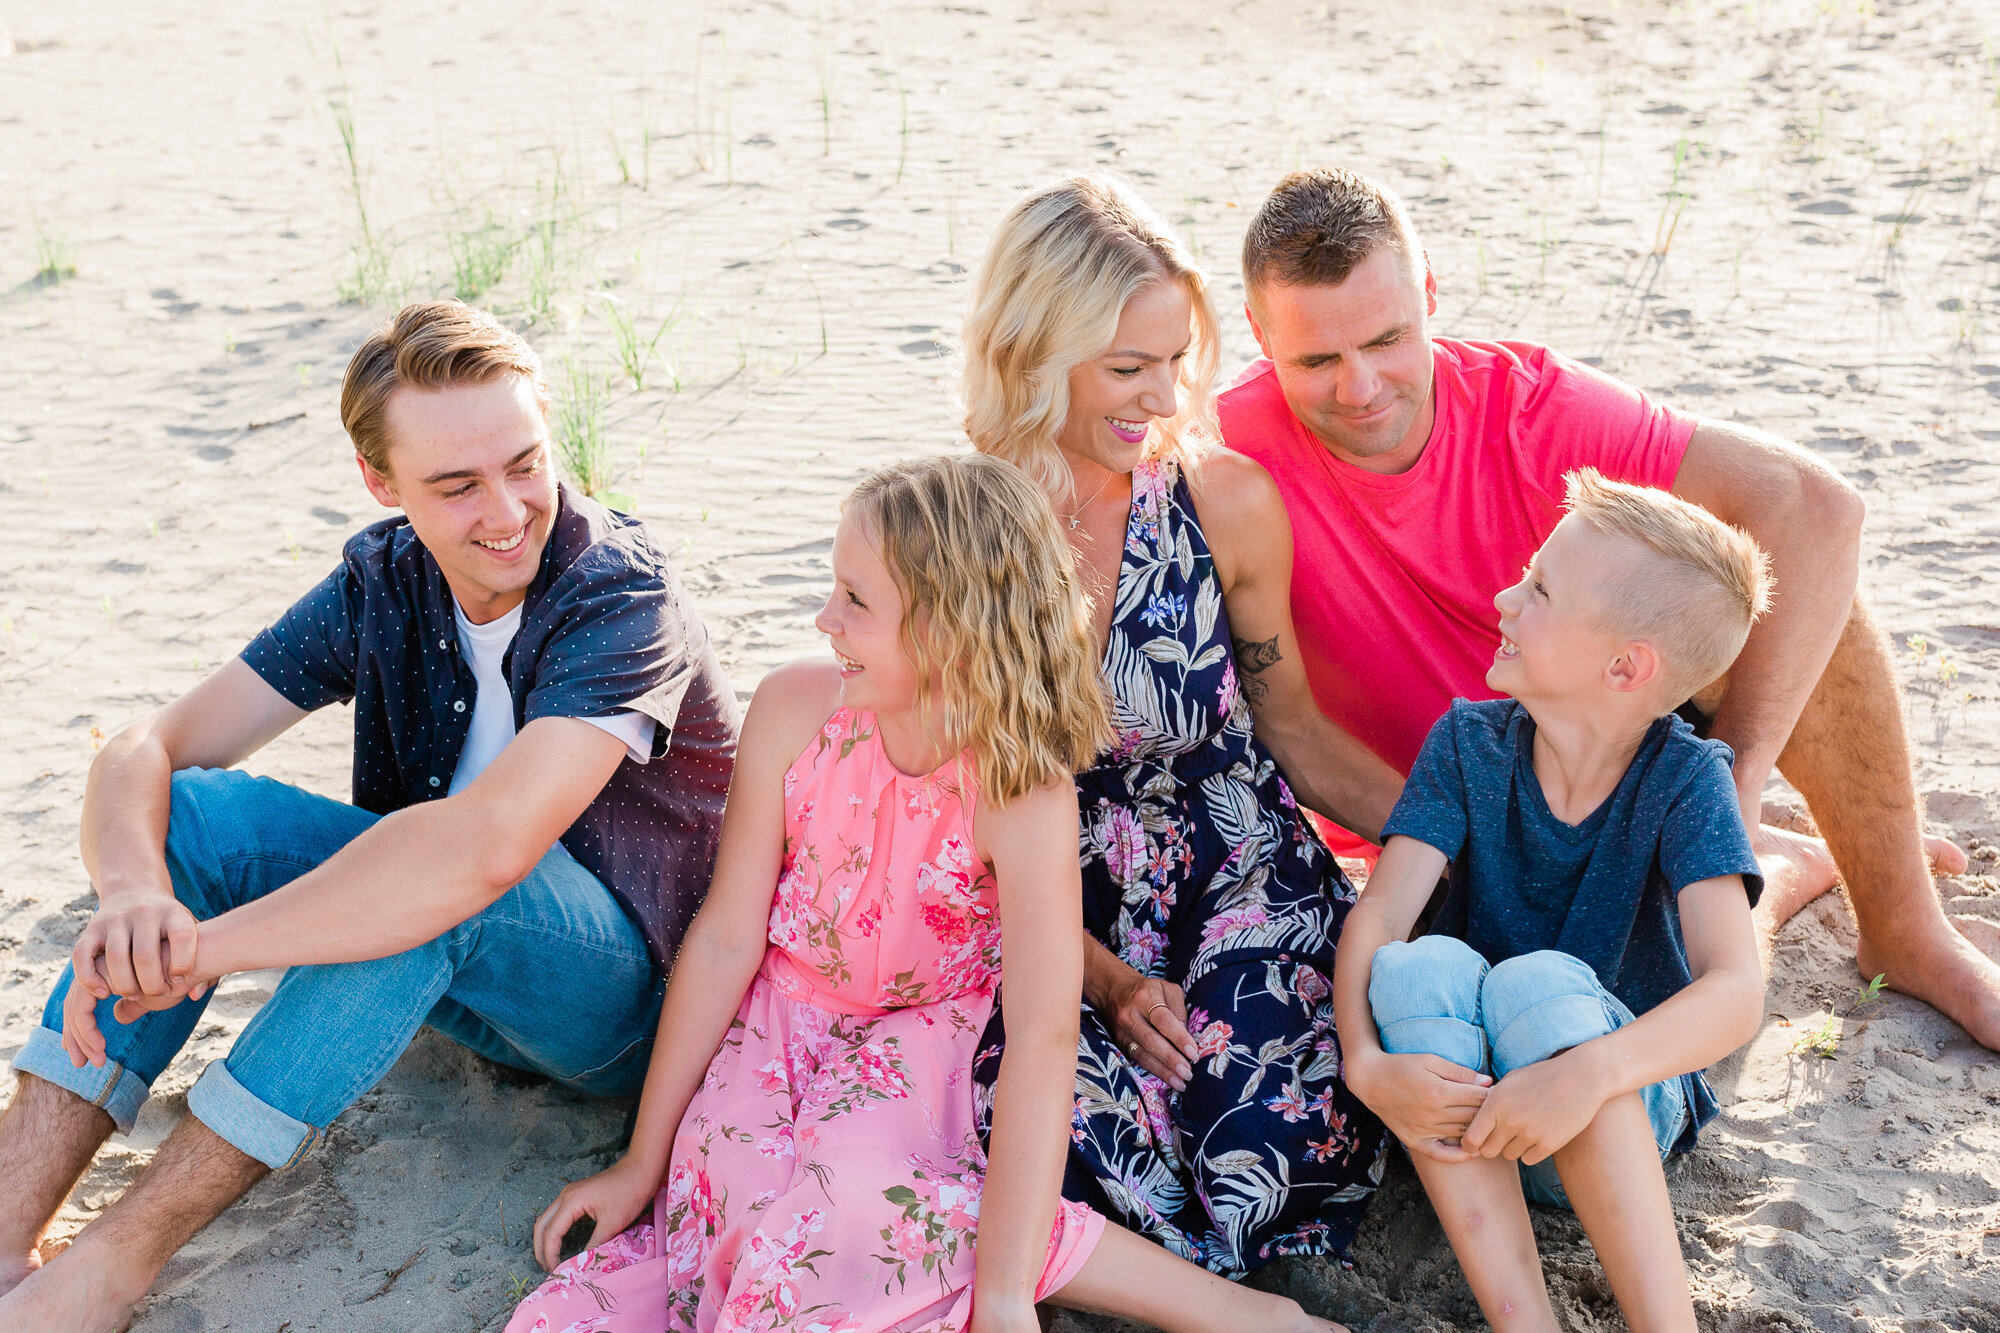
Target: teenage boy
(1594, 951)
(542, 741)
(1421, 472)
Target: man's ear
(1430, 286)
(1257, 330)
(1636, 667)
(378, 484)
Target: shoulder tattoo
(1253, 658)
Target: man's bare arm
(426, 868)
(1809, 521)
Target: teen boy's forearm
(405, 881)
(125, 805)
(424, 869)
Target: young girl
(889, 809)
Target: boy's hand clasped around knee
(1537, 1109)
(1427, 1102)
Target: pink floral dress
(827, 1175)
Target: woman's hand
(611, 1199)
(1147, 1017)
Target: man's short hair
(1319, 225)
(1692, 588)
(428, 345)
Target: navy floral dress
(1199, 867)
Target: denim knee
(1539, 1004)
(192, 861)
(1424, 994)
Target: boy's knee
(197, 796)
(1539, 1004)
(1424, 995)
(1435, 974)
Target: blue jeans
(1436, 996)
(552, 977)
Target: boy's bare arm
(1426, 1100)
(221, 721)
(368, 900)
(1537, 1109)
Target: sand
(1776, 213)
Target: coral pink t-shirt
(1393, 577)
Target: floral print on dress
(826, 1176)
(1199, 867)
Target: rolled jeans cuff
(1546, 1028)
(1451, 1039)
(110, 1087)
(252, 1126)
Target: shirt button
(434, 782)
(443, 644)
(458, 705)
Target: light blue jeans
(554, 977)
(1436, 996)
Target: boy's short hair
(428, 345)
(1694, 588)
(1317, 227)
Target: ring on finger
(1161, 1005)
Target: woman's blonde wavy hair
(1047, 297)
(994, 619)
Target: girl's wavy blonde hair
(994, 619)
(1047, 297)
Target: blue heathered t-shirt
(1602, 890)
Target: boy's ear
(1636, 667)
(378, 485)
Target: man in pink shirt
(1421, 474)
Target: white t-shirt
(493, 705)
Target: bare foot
(73, 1294)
(1984, 935)
(1797, 869)
(1946, 970)
(1946, 856)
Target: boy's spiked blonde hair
(1056, 276)
(1693, 590)
(992, 614)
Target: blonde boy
(1595, 951)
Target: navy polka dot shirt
(605, 627)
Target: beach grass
(55, 251)
(637, 350)
(577, 425)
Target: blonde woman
(807, 1143)
(1210, 1111)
